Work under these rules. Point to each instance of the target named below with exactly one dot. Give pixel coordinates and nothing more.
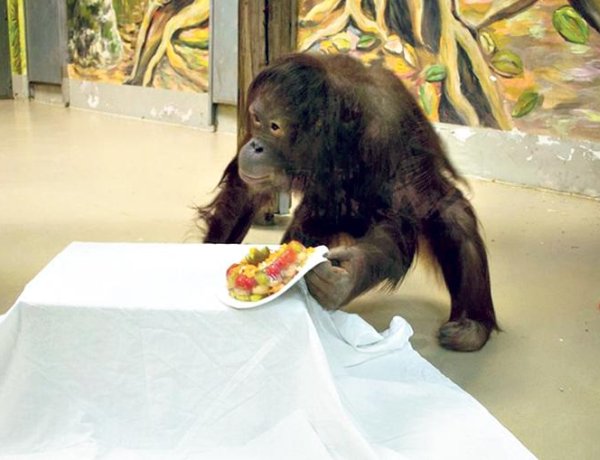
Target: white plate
(317, 257)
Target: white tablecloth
(122, 351)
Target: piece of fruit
(245, 282)
(256, 255)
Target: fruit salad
(263, 271)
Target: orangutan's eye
(276, 129)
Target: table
(122, 350)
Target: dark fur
(370, 166)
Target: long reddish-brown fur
(369, 166)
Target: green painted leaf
(528, 100)
(487, 42)
(341, 43)
(507, 63)
(570, 25)
(436, 72)
(425, 100)
(367, 42)
(194, 38)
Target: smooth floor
(70, 175)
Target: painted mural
(525, 64)
(16, 36)
(153, 43)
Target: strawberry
(245, 283)
(287, 258)
(274, 269)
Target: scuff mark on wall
(463, 133)
(516, 134)
(547, 140)
(91, 93)
(567, 158)
(171, 112)
(179, 107)
(590, 152)
(528, 159)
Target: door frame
(267, 30)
